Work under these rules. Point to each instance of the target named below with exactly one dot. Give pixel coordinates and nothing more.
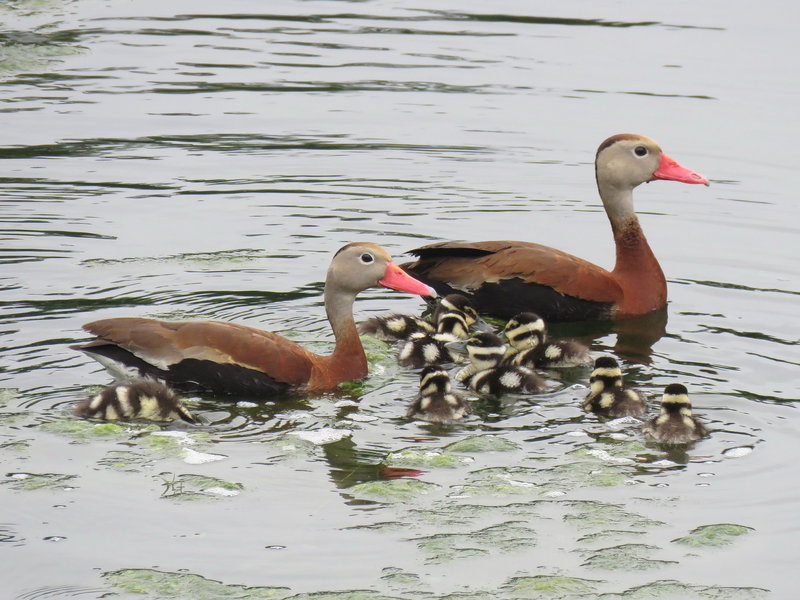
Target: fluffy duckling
(437, 402)
(675, 424)
(527, 336)
(456, 303)
(398, 327)
(423, 349)
(394, 328)
(607, 395)
(145, 399)
(486, 375)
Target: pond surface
(195, 159)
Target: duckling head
(458, 303)
(434, 380)
(605, 376)
(675, 401)
(485, 350)
(525, 330)
(454, 323)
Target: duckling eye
(367, 258)
(640, 151)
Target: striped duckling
(457, 304)
(145, 399)
(608, 396)
(675, 424)
(437, 402)
(395, 327)
(486, 375)
(527, 336)
(452, 325)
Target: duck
(398, 327)
(146, 399)
(675, 424)
(529, 347)
(503, 278)
(421, 349)
(459, 304)
(608, 396)
(228, 358)
(437, 402)
(395, 327)
(486, 375)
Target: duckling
(607, 395)
(394, 327)
(437, 402)
(486, 375)
(145, 399)
(423, 349)
(675, 424)
(456, 303)
(527, 335)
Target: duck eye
(640, 151)
(367, 258)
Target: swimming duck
(608, 396)
(437, 402)
(228, 358)
(145, 399)
(395, 327)
(459, 304)
(398, 327)
(503, 278)
(675, 424)
(486, 375)
(527, 336)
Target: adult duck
(504, 278)
(224, 357)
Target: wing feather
(166, 343)
(468, 265)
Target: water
(198, 160)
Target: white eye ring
(640, 151)
(366, 258)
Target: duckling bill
(675, 424)
(608, 397)
(146, 399)
(437, 402)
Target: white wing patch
(511, 380)
(553, 352)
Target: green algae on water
(392, 490)
(626, 557)
(189, 487)
(713, 536)
(161, 584)
(549, 586)
(423, 459)
(482, 443)
(36, 481)
(676, 590)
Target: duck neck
(637, 270)
(348, 360)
